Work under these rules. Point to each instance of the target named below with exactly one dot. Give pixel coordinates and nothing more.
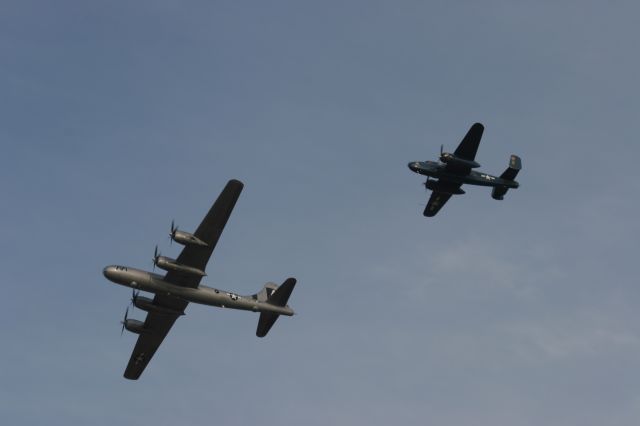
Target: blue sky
(120, 116)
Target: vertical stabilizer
(279, 297)
(515, 165)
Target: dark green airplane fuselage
(438, 170)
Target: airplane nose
(108, 272)
(413, 166)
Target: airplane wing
(440, 197)
(436, 201)
(147, 344)
(469, 145)
(159, 324)
(209, 231)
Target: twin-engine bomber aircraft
(180, 285)
(455, 169)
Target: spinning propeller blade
(156, 254)
(172, 234)
(134, 296)
(126, 313)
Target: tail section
(277, 296)
(282, 293)
(515, 165)
(266, 292)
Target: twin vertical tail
(515, 165)
(277, 296)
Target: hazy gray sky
(119, 116)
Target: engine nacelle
(147, 305)
(169, 264)
(134, 326)
(434, 185)
(187, 239)
(449, 158)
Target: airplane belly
(481, 179)
(210, 296)
(214, 297)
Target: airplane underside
(203, 295)
(474, 178)
(446, 176)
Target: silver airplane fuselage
(154, 283)
(439, 170)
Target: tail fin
(282, 293)
(279, 297)
(515, 165)
(266, 292)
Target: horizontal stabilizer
(498, 192)
(266, 321)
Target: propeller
(134, 296)
(123, 322)
(443, 154)
(172, 234)
(156, 255)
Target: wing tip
(129, 376)
(236, 183)
(430, 211)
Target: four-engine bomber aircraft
(455, 169)
(180, 285)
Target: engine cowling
(449, 158)
(169, 264)
(134, 326)
(186, 239)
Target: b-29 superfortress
(181, 285)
